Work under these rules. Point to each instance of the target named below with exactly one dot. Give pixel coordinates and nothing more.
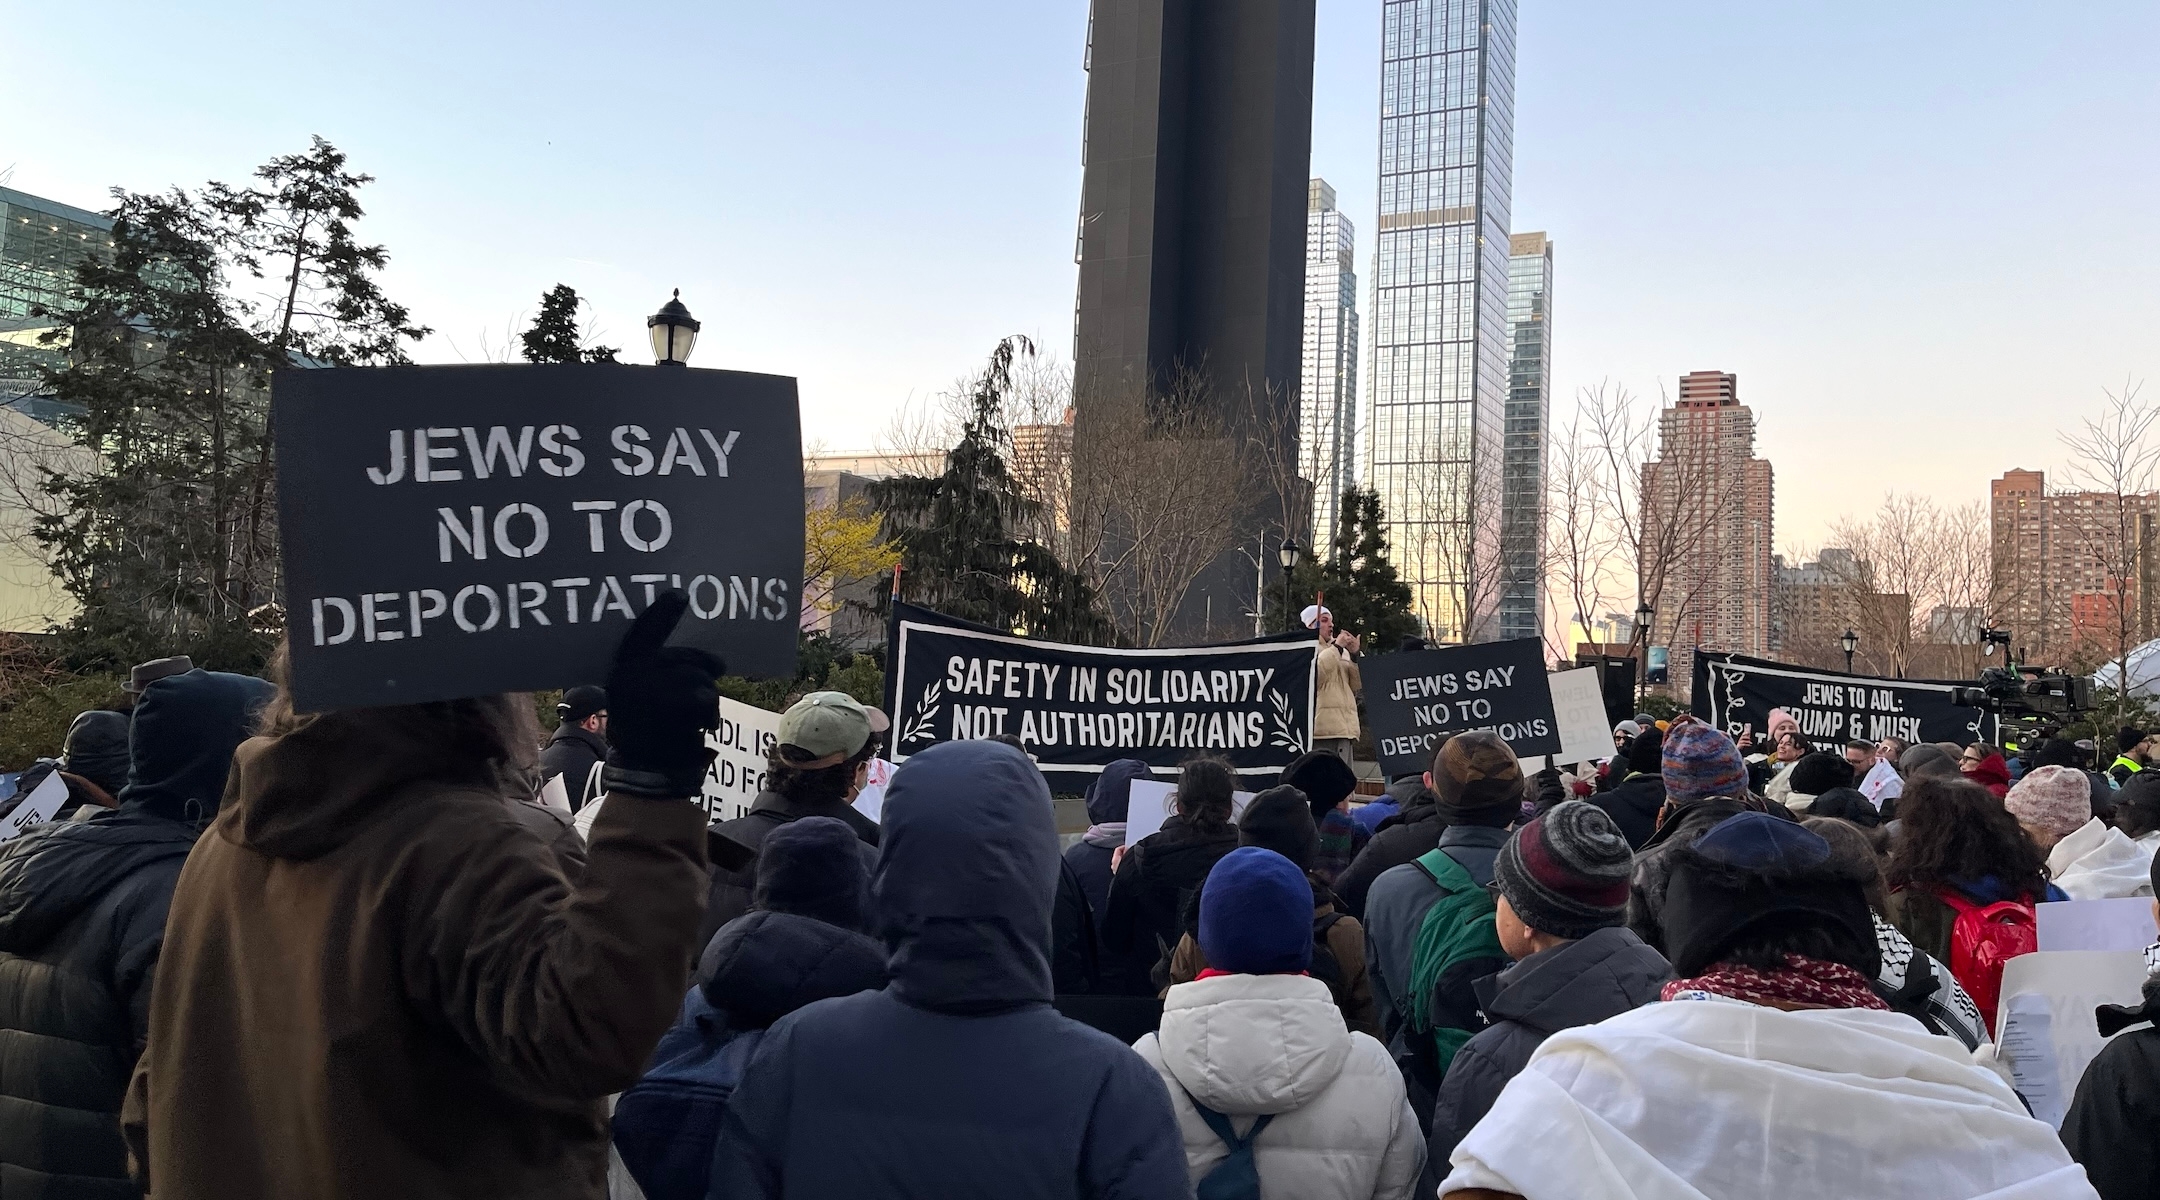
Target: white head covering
(1311, 616)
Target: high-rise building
(1440, 295)
(1529, 409)
(2075, 573)
(1191, 240)
(1327, 425)
(1706, 529)
(41, 243)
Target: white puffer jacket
(1250, 1044)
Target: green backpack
(1456, 945)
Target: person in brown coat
(377, 982)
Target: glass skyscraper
(1440, 295)
(1327, 433)
(41, 243)
(1529, 409)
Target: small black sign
(462, 530)
(1414, 696)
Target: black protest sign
(1736, 694)
(1079, 708)
(457, 531)
(1414, 696)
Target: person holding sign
(376, 982)
(1335, 686)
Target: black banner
(457, 531)
(1736, 694)
(1078, 708)
(1413, 697)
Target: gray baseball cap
(832, 726)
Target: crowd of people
(366, 954)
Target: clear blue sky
(1924, 234)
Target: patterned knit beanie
(1701, 763)
(1477, 780)
(2057, 799)
(1566, 872)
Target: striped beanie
(1701, 763)
(1566, 872)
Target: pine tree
(554, 336)
(1360, 584)
(957, 533)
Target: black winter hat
(1281, 819)
(813, 867)
(1753, 869)
(97, 749)
(1819, 772)
(1325, 779)
(1646, 751)
(1846, 804)
(2126, 737)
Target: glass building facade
(1529, 410)
(41, 243)
(1440, 293)
(1327, 432)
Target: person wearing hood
(1771, 1069)
(1109, 798)
(1329, 783)
(1563, 881)
(1156, 879)
(1705, 782)
(1622, 734)
(1255, 1055)
(376, 982)
(82, 926)
(93, 763)
(579, 744)
(801, 942)
(958, 1080)
(818, 762)
(1429, 923)
(1280, 819)
(2086, 857)
(2109, 1127)
(1634, 803)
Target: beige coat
(1335, 692)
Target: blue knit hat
(1256, 914)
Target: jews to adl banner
(458, 531)
(1412, 697)
(1079, 708)
(1736, 694)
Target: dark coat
(2109, 1129)
(729, 896)
(1403, 838)
(1634, 806)
(572, 753)
(1145, 916)
(757, 970)
(1075, 948)
(82, 918)
(1109, 800)
(1654, 862)
(958, 1080)
(1581, 983)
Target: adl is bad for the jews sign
(456, 531)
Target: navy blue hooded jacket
(82, 919)
(1109, 798)
(958, 1080)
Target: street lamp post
(1851, 642)
(1643, 615)
(1287, 556)
(673, 331)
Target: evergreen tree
(554, 336)
(957, 533)
(164, 529)
(1362, 589)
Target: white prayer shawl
(2097, 862)
(1723, 1100)
(1881, 783)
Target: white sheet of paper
(2045, 1030)
(1579, 707)
(43, 801)
(1152, 804)
(2125, 923)
(554, 795)
(871, 800)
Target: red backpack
(1983, 938)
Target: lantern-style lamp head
(1851, 641)
(673, 331)
(1287, 555)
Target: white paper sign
(2125, 923)
(1153, 802)
(870, 801)
(2044, 1025)
(43, 801)
(737, 773)
(553, 795)
(1579, 707)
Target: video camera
(2024, 692)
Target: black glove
(661, 702)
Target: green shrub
(36, 724)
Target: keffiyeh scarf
(1804, 983)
